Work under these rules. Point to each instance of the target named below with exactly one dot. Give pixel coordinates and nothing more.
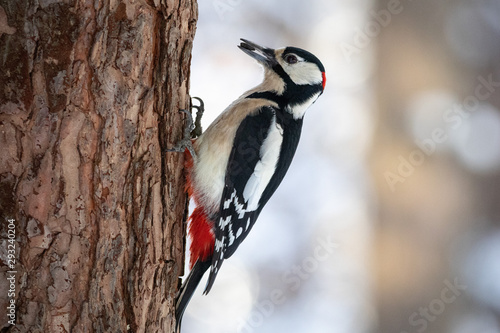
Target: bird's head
(293, 65)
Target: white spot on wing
(219, 244)
(264, 170)
(227, 203)
(224, 222)
(231, 236)
(239, 208)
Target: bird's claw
(197, 130)
(191, 130)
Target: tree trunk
(92, 211)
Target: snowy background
(388, 219)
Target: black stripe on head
(308, 56)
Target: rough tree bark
(89, 97)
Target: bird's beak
(264, 55)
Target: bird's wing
(252, 163)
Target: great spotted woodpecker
(242, 157)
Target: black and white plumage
(257, 166)
(243, 156)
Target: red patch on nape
(324, 79)
(202, 237)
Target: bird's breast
(213, 148)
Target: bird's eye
(291, 59)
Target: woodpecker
(235, 166)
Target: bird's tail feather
(188, 288)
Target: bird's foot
(191, 130)
(197, 130)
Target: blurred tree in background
(435, 166)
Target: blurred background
(388, 219)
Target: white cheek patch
(304, 73)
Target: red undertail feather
(200, 226)
(202, 237)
